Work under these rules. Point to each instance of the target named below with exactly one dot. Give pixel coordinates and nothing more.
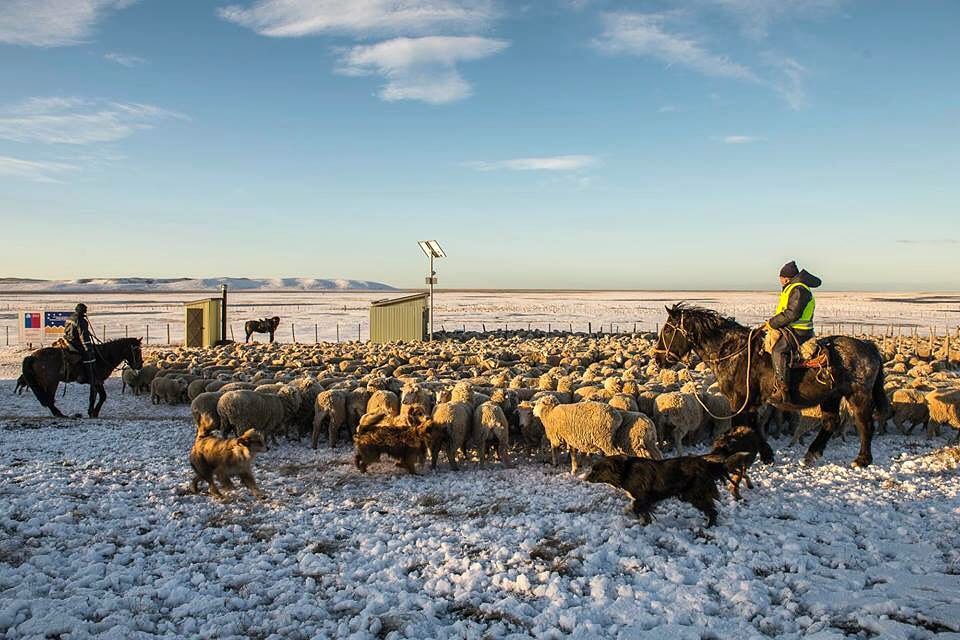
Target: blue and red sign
(31, 321)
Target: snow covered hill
(106, 285)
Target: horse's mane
(702, 323)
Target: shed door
(194, 327)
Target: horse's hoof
(77, 416)
(861, 463)
(811, 459)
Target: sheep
(416, 398)
(637, 436)
(944, 407)
(585, 427)
(130, 378)
(245, 409)
(204, 411)
(238, 386)
(196, 387)
(453, 419)
(910, 409)
(531, 428)
(679, 413)
(357, 400)
(145, 377)
(330, 407)
(169, 390)
(383, 401)
(489, 422)
(623, 402)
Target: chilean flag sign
(38, 326)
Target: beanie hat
(789, 270)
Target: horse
(267, 325)
(744, 372)
(43, 371)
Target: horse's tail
(29, 379)
(881, 403)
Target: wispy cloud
(790, 81)
(295, 18)
(124, 59)
(53, 23)
(756, 16)
(76, 121)
(543, 163)
(930, 241)
(741, 139)
(645, 35)
(422, 69)
(37, 171)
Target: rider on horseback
(793, 320)
(76, 332)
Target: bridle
(672, 356)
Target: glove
(766, 326)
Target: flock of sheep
(526, 390)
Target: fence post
(8, 335)
(338, 332)
(231, 334)
(548, 327)
(168, 333)
(571, 327)
(316, 333)
(104, 338)
(293, 333)
(148, 334)
(590, 328)
(483, 327)
(358, 332)
(126, 331)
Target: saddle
(71, 369)
(812, 355)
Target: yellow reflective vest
(805, 321)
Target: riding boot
(781, 368)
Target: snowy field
(326, 315)
(99, 539)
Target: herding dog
(214, 458)
(692, 479)
(405, 438)
(740, 440)
(266, 325)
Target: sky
(545, 144)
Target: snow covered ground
(99, 539)
(314, 315)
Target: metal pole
(223, 312)
(431, 296)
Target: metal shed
(399, 319)
(202, 323)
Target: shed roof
(201, 301)
(392, 301)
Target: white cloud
(756, 16)
(76, 121)
(420, 68)
(790, 85)
(644, 35)
(296, 18)
(742, 139)
(52, 23)
(544, 163)
(38, 171)
(667, 108)
(124, 59)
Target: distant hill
(107, 285)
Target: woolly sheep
(585, 427)
(677, 413)
(169, 390)
(489, 423)
(330, 408)
(454, 421)
(944, 407)
(245, 409)
(531, 428)
(637, 436)
(383, 401)
(910, 408)
(623, 402)
(196, 387)
(130, 378)
(416, 398)
(204, 411)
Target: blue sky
(554, 144)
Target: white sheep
(169, 390)
(585, 427)
(677, 413)
(330, 409)
(454, 420)
(489, 423)
(266, 412)
(637, 436)
(204, 411)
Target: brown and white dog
(218, 459)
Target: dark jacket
(798, 300)
(76, 331)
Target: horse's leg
(829, 411)
(861, 407)
(93, 401)
(102, 394)
(49, 401)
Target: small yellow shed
(399, 319)
(202, 323)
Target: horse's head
(135, 358)
(275, 321)
(673, 342)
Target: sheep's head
(544, 405)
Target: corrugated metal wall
(401, 321)
(208, 332)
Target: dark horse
(43, 371)
(267, 325)
(745, 373)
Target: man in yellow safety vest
(794, 321)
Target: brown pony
(44, 370)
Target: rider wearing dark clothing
(76, 331)
(794, 320)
